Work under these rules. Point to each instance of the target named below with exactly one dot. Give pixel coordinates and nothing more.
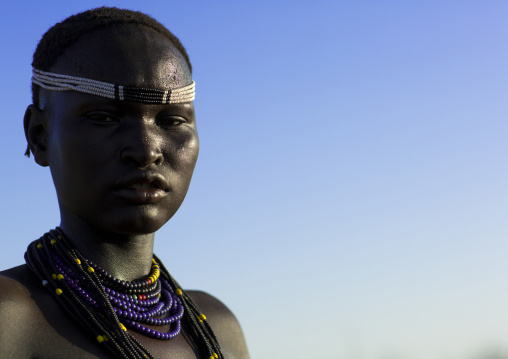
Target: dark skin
(121, 170)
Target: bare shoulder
(17, 286)
(224, 323)
(17, 310)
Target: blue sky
(350, 197)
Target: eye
(101, 117)
(171, 121)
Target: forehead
(126, 55)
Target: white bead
(58, 82)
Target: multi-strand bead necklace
(107, 306)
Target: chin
(140, 222)
(141, 225)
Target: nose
(142, 146)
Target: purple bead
(160, 299)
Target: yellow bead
(178, 291)
(215, 355)
(200, 320)
(54, 276)
(60, 276)
(100, 338)
(58, 291)
(123, 327)
(78, 261)
(40, 245)
(53, 241)
(90, 270)
(202, 317)
(211, 357)
(59, 237)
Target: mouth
(143, 188)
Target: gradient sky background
(350, 197)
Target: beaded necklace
(106, 306)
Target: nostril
(142, 156)
(141, 143)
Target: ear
(36, 125)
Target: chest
(54, 335)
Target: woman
(113, 118)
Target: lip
(151, 187)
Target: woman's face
(119, 166)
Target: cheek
(74, 166)
(188, 156)
(61, 159)
(182, 151)
(191, 150)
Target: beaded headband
(57, 82)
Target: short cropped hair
(63, 34)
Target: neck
(125, 256)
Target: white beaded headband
(57, 82)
